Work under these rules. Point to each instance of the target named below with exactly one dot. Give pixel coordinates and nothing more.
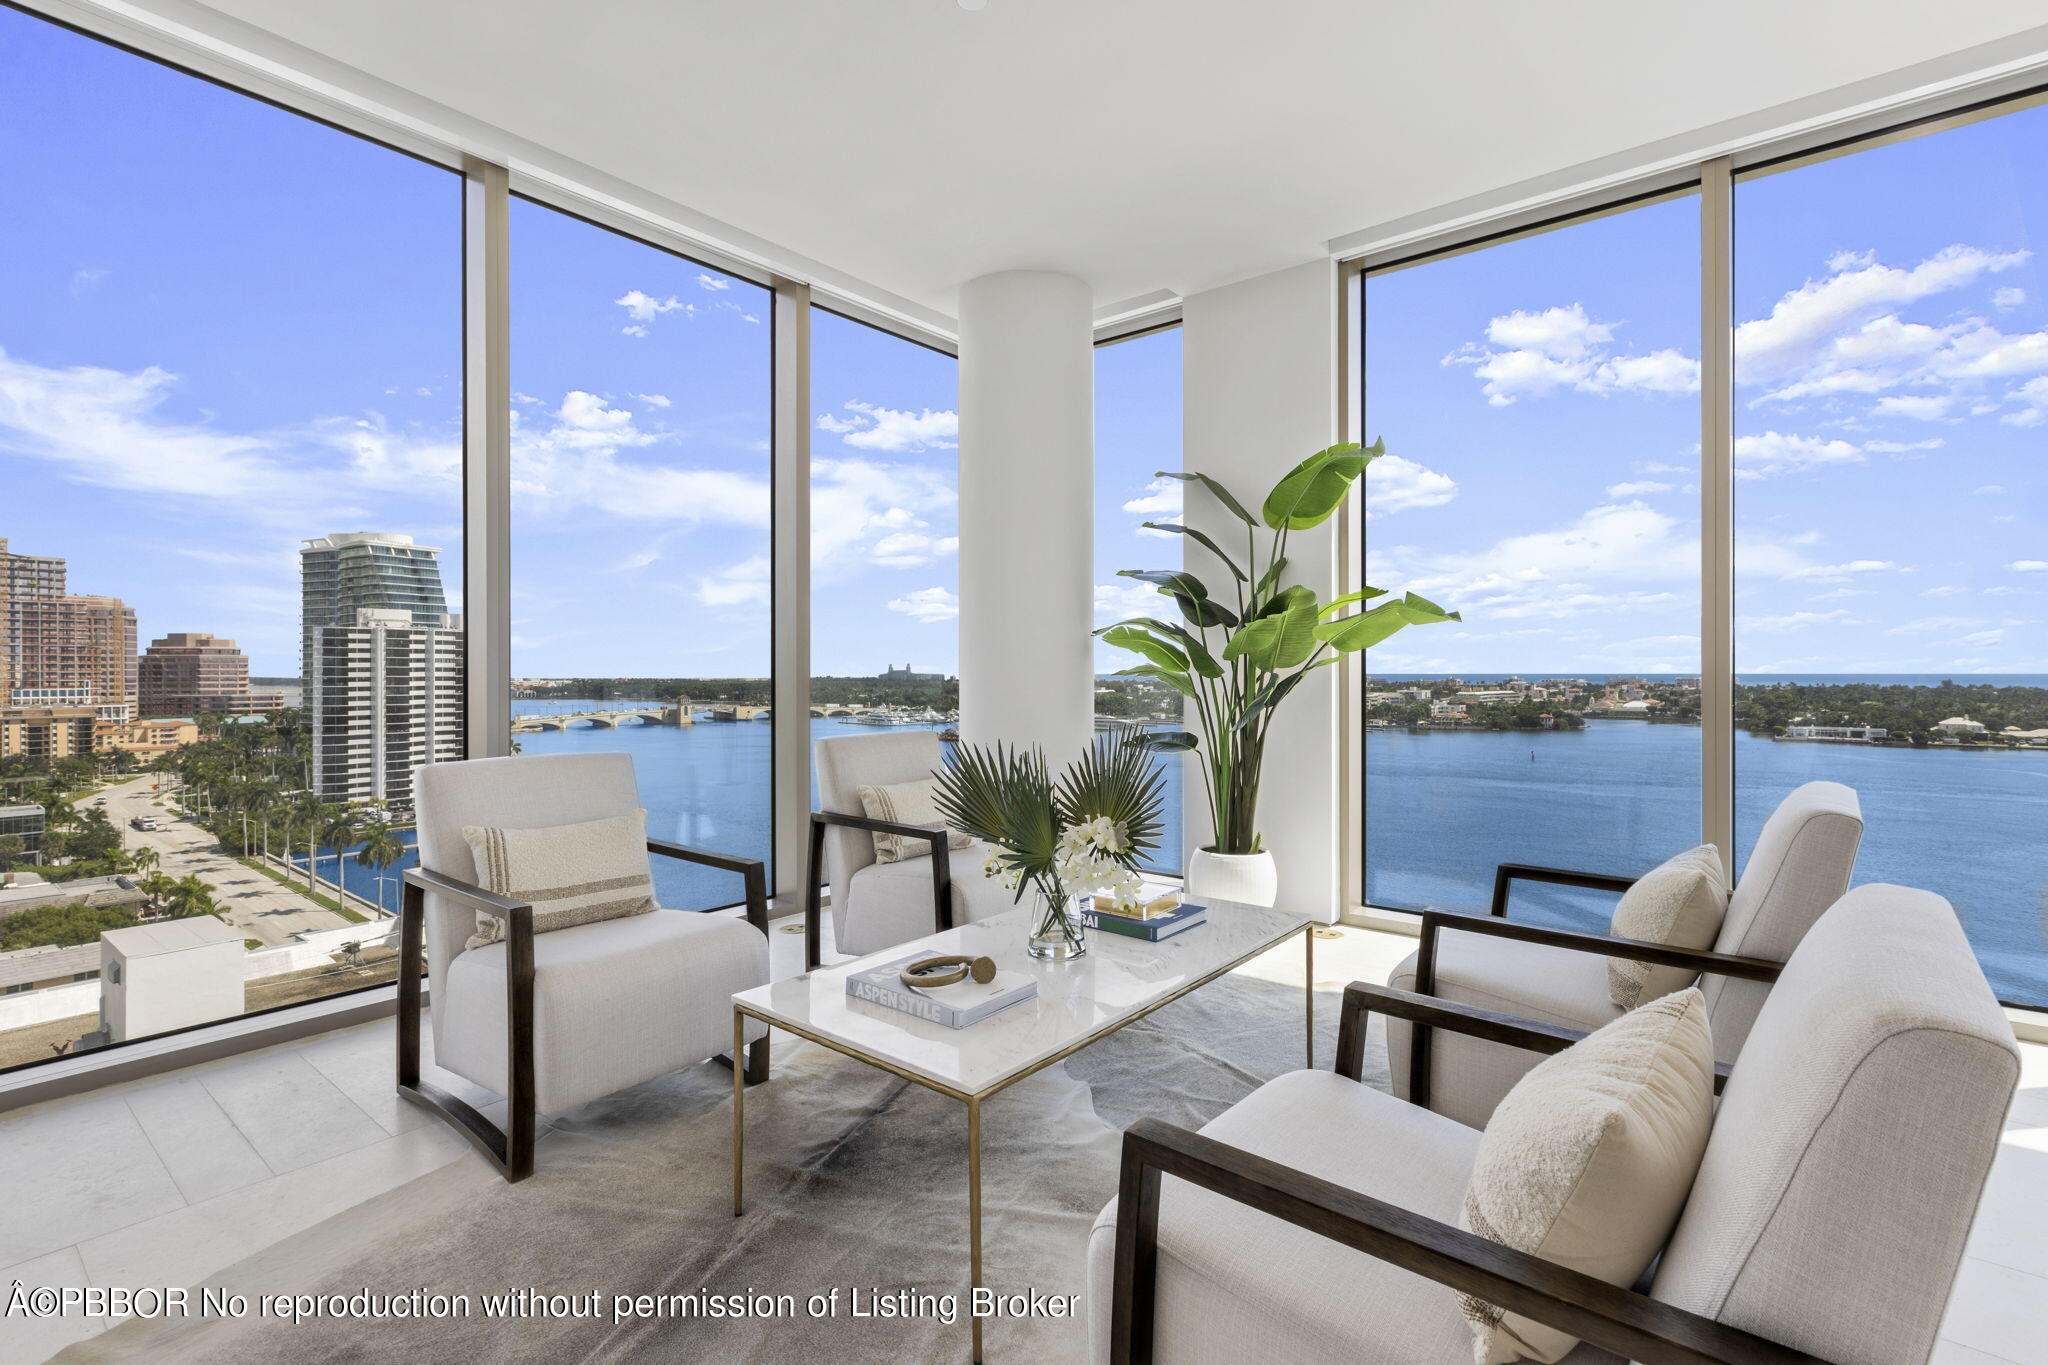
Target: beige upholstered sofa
(876, 905)
(1839, 1182)
(1800, 866)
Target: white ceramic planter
(1248, 877)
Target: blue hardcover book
(956, 1006)
(1185, 917)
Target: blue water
(1444, 807)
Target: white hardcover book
(956, 1006)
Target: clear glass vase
(1059, 935)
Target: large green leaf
(1188, 592)
(1164, 741)
(1198, 653)
(1368, 628)
(1269, 577)
(1313, 489)
(1288, 599)
(1339, 603)
(1142, 642)
(1284, 639)
(1222, 494)
(1179, 682)
(1175, 528)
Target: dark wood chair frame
(1632, 1325)
(942, 874)
(511, 1149)
(1496, 923)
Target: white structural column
(1259, 394)
(1027, 511)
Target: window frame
(1714, 181)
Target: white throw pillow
(907, 803)
(571, 874)
(1588, 1161)
(1681, 903)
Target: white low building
(1960, 725)
(1862, 732)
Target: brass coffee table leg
(739, 1103)
(974, 1217)
(1308, 938)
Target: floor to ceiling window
(641, 551)
(1137, 437)
(230, 514)
(885, 579)
(1538, 402)
(1891, 390)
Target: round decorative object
(948, 971)
(1249, 878)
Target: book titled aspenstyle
(1152, 929)
(956, 1006)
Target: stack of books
(956, 1006)
(1160, 913)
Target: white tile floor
(168, 1180)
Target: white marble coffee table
(1120, 979)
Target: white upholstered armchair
(1800, 866)
(1316, 1220)
(875, 904)
(550, 1020)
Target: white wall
(1027, 512)
(1259, 385)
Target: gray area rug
(854, 1178)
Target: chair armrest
(1361, 998)
(1605, 945)
(937, 836)
(1634, 1326)
(473, 896)
(1505, 874)
(753, 870)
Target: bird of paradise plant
(1236, 661)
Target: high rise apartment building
(383, 664)
(60, 649)
(194, 673)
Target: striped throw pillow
(907, 803)
(571, 874)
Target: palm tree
(157, 888)
(191, 896)
(381, 848)
(337, 831)
(142, 858)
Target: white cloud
(1904, 447)
(713, 283)
(1531, 354)
(2029, 566)
(1640, 488)
(744, 584)
(1127, 597)
(1791, 621)
(2008, 298)
(654, 400)
(1160, 499)
(1989, 490)
(643, 308)
(1798, 341)
(1394, 484)
(872, 427)
(909, 549)
(1945, 590)
(928, 605)
(1839, 573)
(1918, 407)
(1775, 452)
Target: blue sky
(1891, 354)
(224, 328)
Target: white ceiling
(1139, 144)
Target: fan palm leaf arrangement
(1088, 830)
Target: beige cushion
(1588, 1161)
(572, 874)
(906, 803)
(1679, 902)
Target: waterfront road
(263, 909)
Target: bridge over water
(612, 717)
